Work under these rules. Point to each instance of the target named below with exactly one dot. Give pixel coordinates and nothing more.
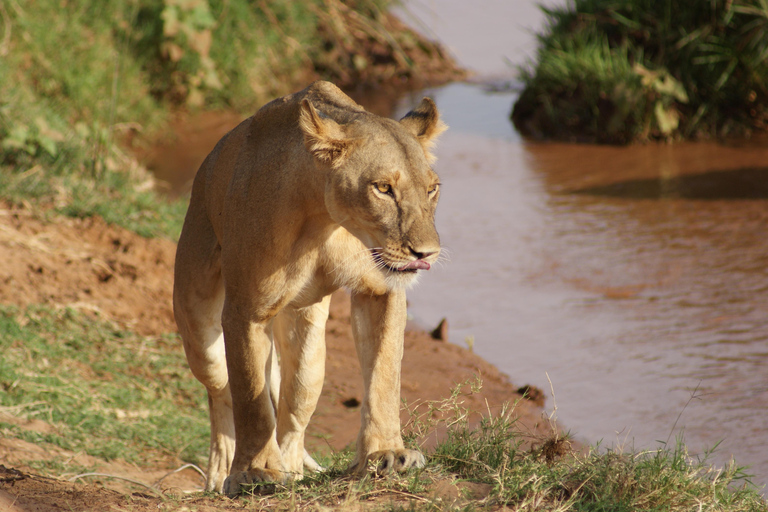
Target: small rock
(533, 394)
(351, 403)
(440, 332)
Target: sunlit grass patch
(107, 392)
(547, 475)
(493, 464)
(116, 196)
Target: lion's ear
(425, 124)
(323, 137)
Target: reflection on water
(745, 183)
(637, 278)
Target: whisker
(444, 257)
(380, 264)
(445, 253)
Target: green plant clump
(619, 71)
(548, 477)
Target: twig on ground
(182, 468)
(394, 491)
(15, 409)
(553, 416)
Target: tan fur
(310, 194)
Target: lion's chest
(339, 261)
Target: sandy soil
(113, 273)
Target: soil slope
(116, 274)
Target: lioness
(310, 194)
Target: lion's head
(380, 185)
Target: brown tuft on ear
(425, 124)
(323, 137)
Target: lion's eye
(433, 189)
(384, 188)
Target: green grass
(107, 392)
(115, 395)
(79, 85)
(117, 196)
(69, 92)
(619, 71)
(494, 455)
(119, 199)
(548, 476)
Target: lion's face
(386, 195)
(381, 188)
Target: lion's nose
(420, 255)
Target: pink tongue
(416, 265)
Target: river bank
(78, 206)
(113, 275)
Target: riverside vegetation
(620, 71)
(75, 84)
(79, 80)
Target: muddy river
(634, 279)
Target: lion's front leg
(300, 337)
(249, 351)
(378, 324)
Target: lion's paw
(385, 462)
(234, 482)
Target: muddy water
(636, 278)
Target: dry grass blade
(117, 477)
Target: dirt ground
(107, 271)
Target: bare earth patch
(115, 274)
